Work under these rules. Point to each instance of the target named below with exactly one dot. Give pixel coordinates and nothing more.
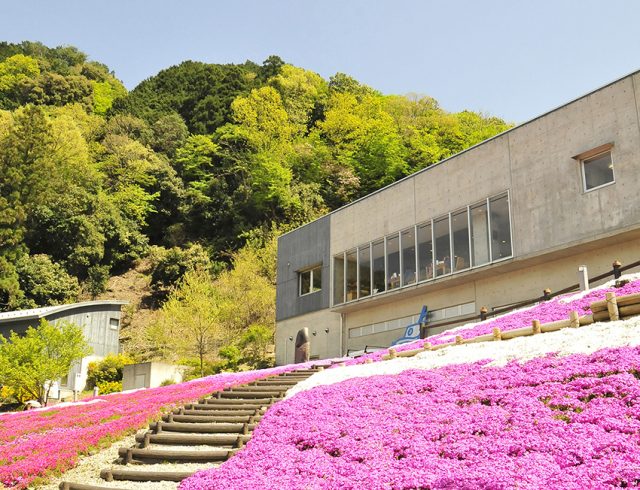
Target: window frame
(310, 270)
(590, 158)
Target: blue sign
(412, 332)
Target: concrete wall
(149, 375)
(298, 250)
(323, 344)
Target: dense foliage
(197, 160)
(28, 363)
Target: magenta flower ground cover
(36, 442)
(553, 422)
(549, 311)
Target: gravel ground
(88, 469)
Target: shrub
(106, 387)
(108, 370)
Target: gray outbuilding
(99, 320)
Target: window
(378, 267)
(460, 235)
(310, 280)
(408, 239)
(352, 275)
(364, 264)
(597, 171)
(114, 323)
(466, 238)
(338, 279)
(425, 252)
(500, 227)
(479, 234)
(393, 262)
(443, 246)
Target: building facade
(100, 323)
(490, 226)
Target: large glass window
(460, 230)
(443, 246)
(597, 171)
(310, 281)
(425, 252)
(364, 264)
(393, 262)
(479, 234)
(338, 279)
(500, 227)
(408, 243)
(379, 281)
(352, 275)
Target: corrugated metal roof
(49, 310)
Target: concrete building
(100, 322)
(150, 375)
(492, 225)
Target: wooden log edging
(612, 308)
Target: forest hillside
(176, 190)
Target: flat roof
(467, 150)
(45, 311)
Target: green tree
(190, 318)
(31, 362)
(44, 282)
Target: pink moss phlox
(570, 422)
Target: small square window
(310, 281)
(597, 171)
(114, 323)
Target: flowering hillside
(548, 311)
(520, 416)
(36, 442)
(570, 422)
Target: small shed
(149, 375)
(99, 320)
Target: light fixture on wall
(314, 333)
(326, 330)
(291, 338)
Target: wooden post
(546, 294)
(392, 353)
(459, 340)
(129, 457)
(574, 318)
(426, 346)
(535, 326)
(368, 361)
(147, 440)
(497, 335)
(612, 306)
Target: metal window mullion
(357, 273)
(416, 273)
(469, 234)
(433, 250)
(510, 224)
(489, 230)
(400, 260)
(450, 246)
(370, 268)
(384, 250)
